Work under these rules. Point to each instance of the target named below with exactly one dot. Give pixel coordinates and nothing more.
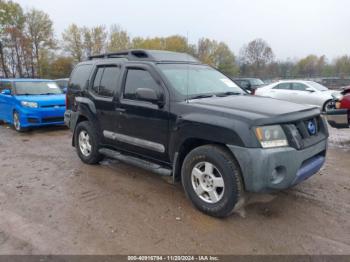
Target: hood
(332, 93)
(257, 109)
(44, 100)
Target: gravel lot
(51, 203)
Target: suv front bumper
(266, 170)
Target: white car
(301, 92)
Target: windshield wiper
(47, 94)
(201, 96)
(229, 93)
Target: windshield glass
(37, 88)
(256, 82)
(318, 86)
(195, 80)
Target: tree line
(29, 48)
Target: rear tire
(86, 142)
(211, 178)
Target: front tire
(327, 106)
(17, 122)
(87, 143)
(211, 178)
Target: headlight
(29, 104)
(271, 136)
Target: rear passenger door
(102, 89)
(143, 126)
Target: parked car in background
(301, 92)
(63, 84)
(28, 103)
(249, 84)
(339, 116)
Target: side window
(106, 80)
(283, 86)
(109, 81)
(97, 80)
(299, 87)
(80, 76)
(138, 78)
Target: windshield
(37, 88)
(196, 80)
(318, 86)
(256, 82)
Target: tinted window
(97, 80)
(137, 78)
(80, 76)
(299, 87)
(109, 81)
(284, 86)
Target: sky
(293, 28)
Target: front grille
(52, 119)
(32, 120)
(301, 136)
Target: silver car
(301, 92)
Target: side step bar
(155, 168)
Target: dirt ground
(52, 203)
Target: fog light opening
(278, 175)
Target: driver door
(143, 127)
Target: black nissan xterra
(168, 113)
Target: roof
(293, 80)
(148, 55)
(25, 80)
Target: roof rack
(148, 55)
(122, 54)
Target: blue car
(26, 103)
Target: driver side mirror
(6, 92)
(309, 89)
(149, 95)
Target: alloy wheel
(207, 182)
(84, 143)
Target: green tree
(61, 67)
(342, 65)
(119, 39)
(255, 57)
(40, 32)
(94, 40)
(311, 66)
(73, 42)
(218, 55)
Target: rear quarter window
(80, 76)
